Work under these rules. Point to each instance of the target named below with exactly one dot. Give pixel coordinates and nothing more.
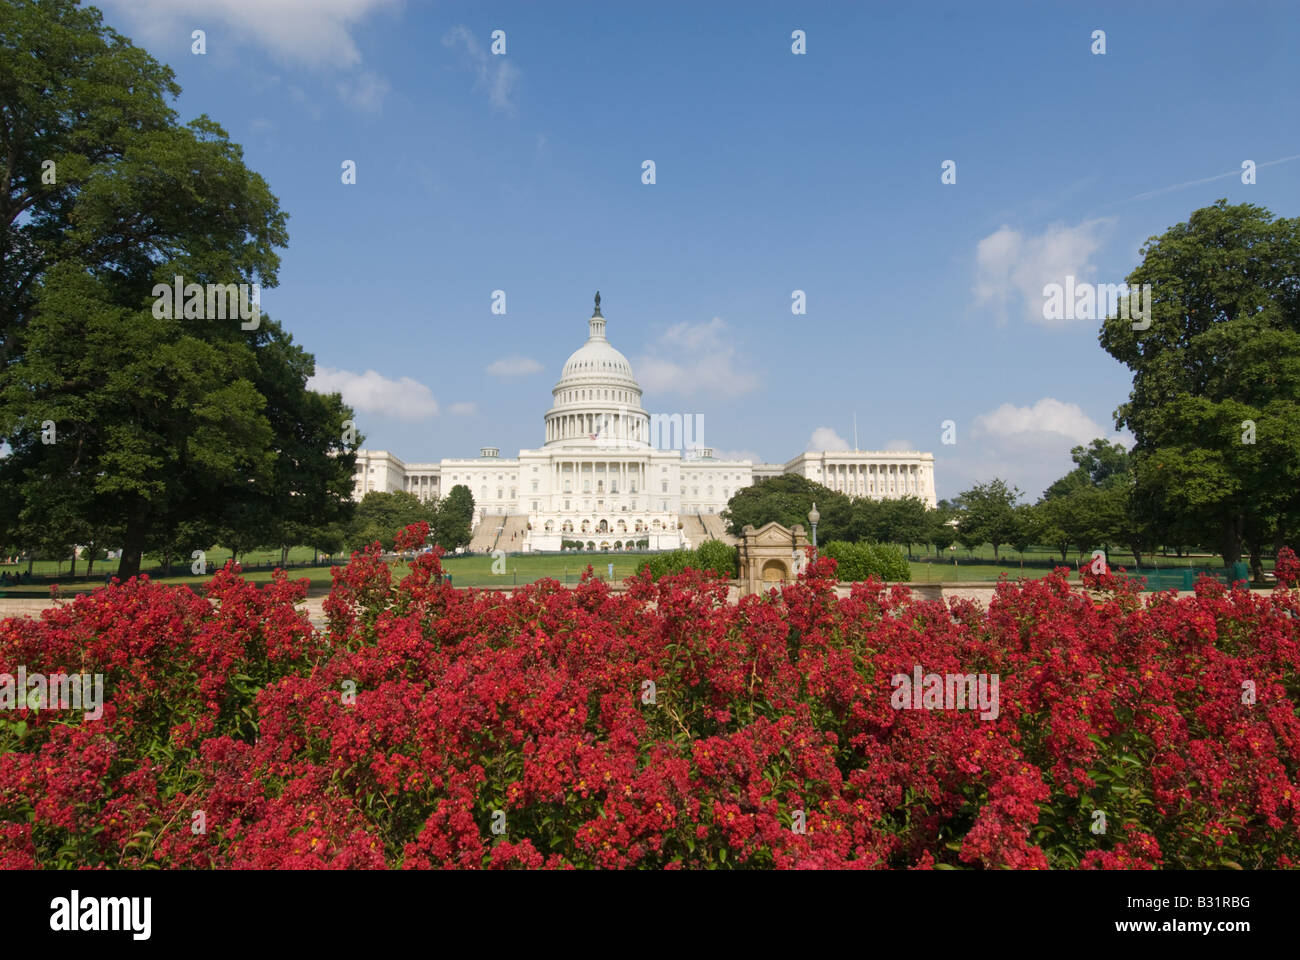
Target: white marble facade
(610, 472)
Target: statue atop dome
(597, 313)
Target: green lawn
(476, 571)
(473, 571)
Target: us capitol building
(612, 476)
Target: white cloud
(464, 408)
(1028, 446)
(901, 445)
(495, 74)
(694, 358)
(825, 438)
(365, 91)
(1010, 264)
(1046, 418)
(513, 366)
(313, 32)
(370, 392)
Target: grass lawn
(476, 571)
(473, 571)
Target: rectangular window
(566, 504)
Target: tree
(787, 499)
(158, 421)
(1215, 403)
(1098, 464)
(1029, 525)
(940, 530)
(988, 515)
(454, 518)
(905, 522)
(380, 516)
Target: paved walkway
(981, 593)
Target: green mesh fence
(1184, 578)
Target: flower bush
(657, 727)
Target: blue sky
(775, 172)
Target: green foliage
(162, 424)
(988, 515)
(455, 514)
(380, 516)
(1222, 350)
(940, 532)
(861, 561)
(787, 499)
(711, 555)
(718, 556)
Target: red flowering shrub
(658, 727)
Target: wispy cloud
(464, 408)
(1218, 176)
(365, 91)
(695, 358)
(319, 34)
(371, 392)
(513, 366)
(313, 32)
(494, 74)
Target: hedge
(860, 561)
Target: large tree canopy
(787, 499)
(1215, 404)
(123, 423)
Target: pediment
(774, 534)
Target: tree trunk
(90, 560)
(284, 554)
(132, 549)
(31, 558)
(1256, 562)
(1230, 540)
(72, 570)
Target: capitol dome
(597, 399)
